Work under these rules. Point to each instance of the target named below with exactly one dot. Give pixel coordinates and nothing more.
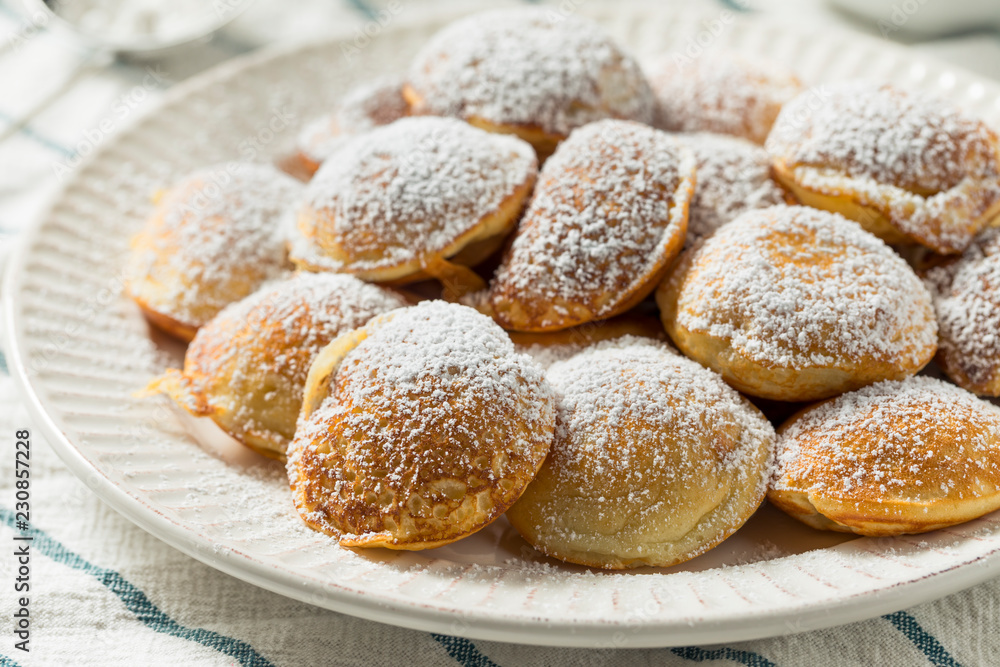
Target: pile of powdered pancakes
(805, 260)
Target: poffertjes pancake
(720, 91)
(966, 291)
(548, 348)
(532, 72)
(364, 108)
(212, 239)
(655, 461)
(892, 458)
(795, 304)
(908, 167)
(418, 429)
(734, 176)
(608, 216)
(246, 368)
(422, 197)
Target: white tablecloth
(106, 593)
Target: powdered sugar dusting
(607, 209)
(548, 348)
(215, 237)
(529, 67)
(366, 107)
(734, 175)
(720, 91)
(798, 287)
(642, 430)
(921, 438)
(966, 295)
(547, 355)
(943, 167)
(281, 328)
(407, 190)
(431, 389)
(912, 140)
(644, 383)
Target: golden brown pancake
(892, 458)
(422, 197)
(212, 239)
(966, 291)
(795, 304)
(908, 167)
(418, 429)
(607, 218)
(720, 91)
(734, 176)
(550, 347)
(364, 108)
(656, 460)
(247, 367)
(530, 72)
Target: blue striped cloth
(106, 593)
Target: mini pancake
(212, 239)
(247, 367)
(720, 91)
(909, 167)
(363, 109)
(734, 176)
(892, 458)
(529, 72)
(966, 291)
(418, 429)
(655, 461)
(607, 218)
(548, 348)
(794, 304)
(422, 197)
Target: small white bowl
(925, 17)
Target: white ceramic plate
(80, 350)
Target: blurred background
(66, 84)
